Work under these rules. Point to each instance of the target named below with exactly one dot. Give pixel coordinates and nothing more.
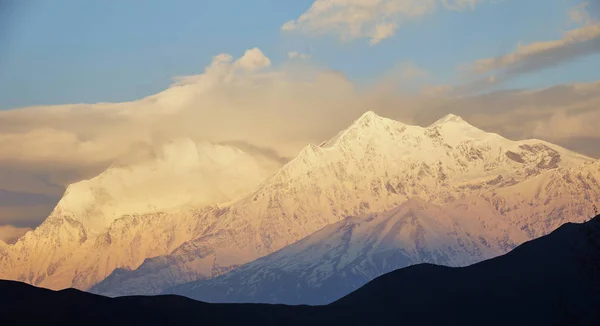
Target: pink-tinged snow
(374, 165)
(131, 212)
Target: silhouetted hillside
(554, 280)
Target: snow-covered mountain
(130, 212)
(343, 256)
(374, 165)
(547, 200)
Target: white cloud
(405, 77)
(461, 4)
(376, 20)
(383, 31)
(236, 100)
(568, 124)
(563, 114)
(525, 52)
(536, 56)
(253, 60)
(296, 55)
(580, 14)
(352, 19)
(10, 234)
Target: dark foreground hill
(554, 280)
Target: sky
(70, 51)
(84, 82)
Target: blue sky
(73, 51)
(83, 51)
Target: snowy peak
(151, 197)
(455, 130)
(408, 161)
(374, 165)
(449, 118)
(367, 118)
(369, 125)
(181, 173)
(373, 131)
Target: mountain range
(448, 193)
(131, 211)
(343, 256)
(553, 280)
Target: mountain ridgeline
(498, 194)
(553, 280)
(380, 195)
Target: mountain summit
(188, 211)
(449, 118)
(374, 165)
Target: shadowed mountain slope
(553, 280)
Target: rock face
(373, 166)
(130, 212)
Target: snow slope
(131, 212)
(342, 257)
(374, 165)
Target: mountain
(372, 166)
(552, 280)
(144, 207)
(343, 256)
(545, 201)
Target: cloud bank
(533, 57)
(269, 110)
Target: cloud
(10, 234)
(565, 125)
(254, 59)
(25, 216)
(264, 151)
(563, 114)
(9, 198)
(405, 78)
(537, 56)
(236, 100)
(352, 19)
(580, 14)
(375, 20)
(410, 71)
(461, 4)
(268, 110)
(296, 55)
